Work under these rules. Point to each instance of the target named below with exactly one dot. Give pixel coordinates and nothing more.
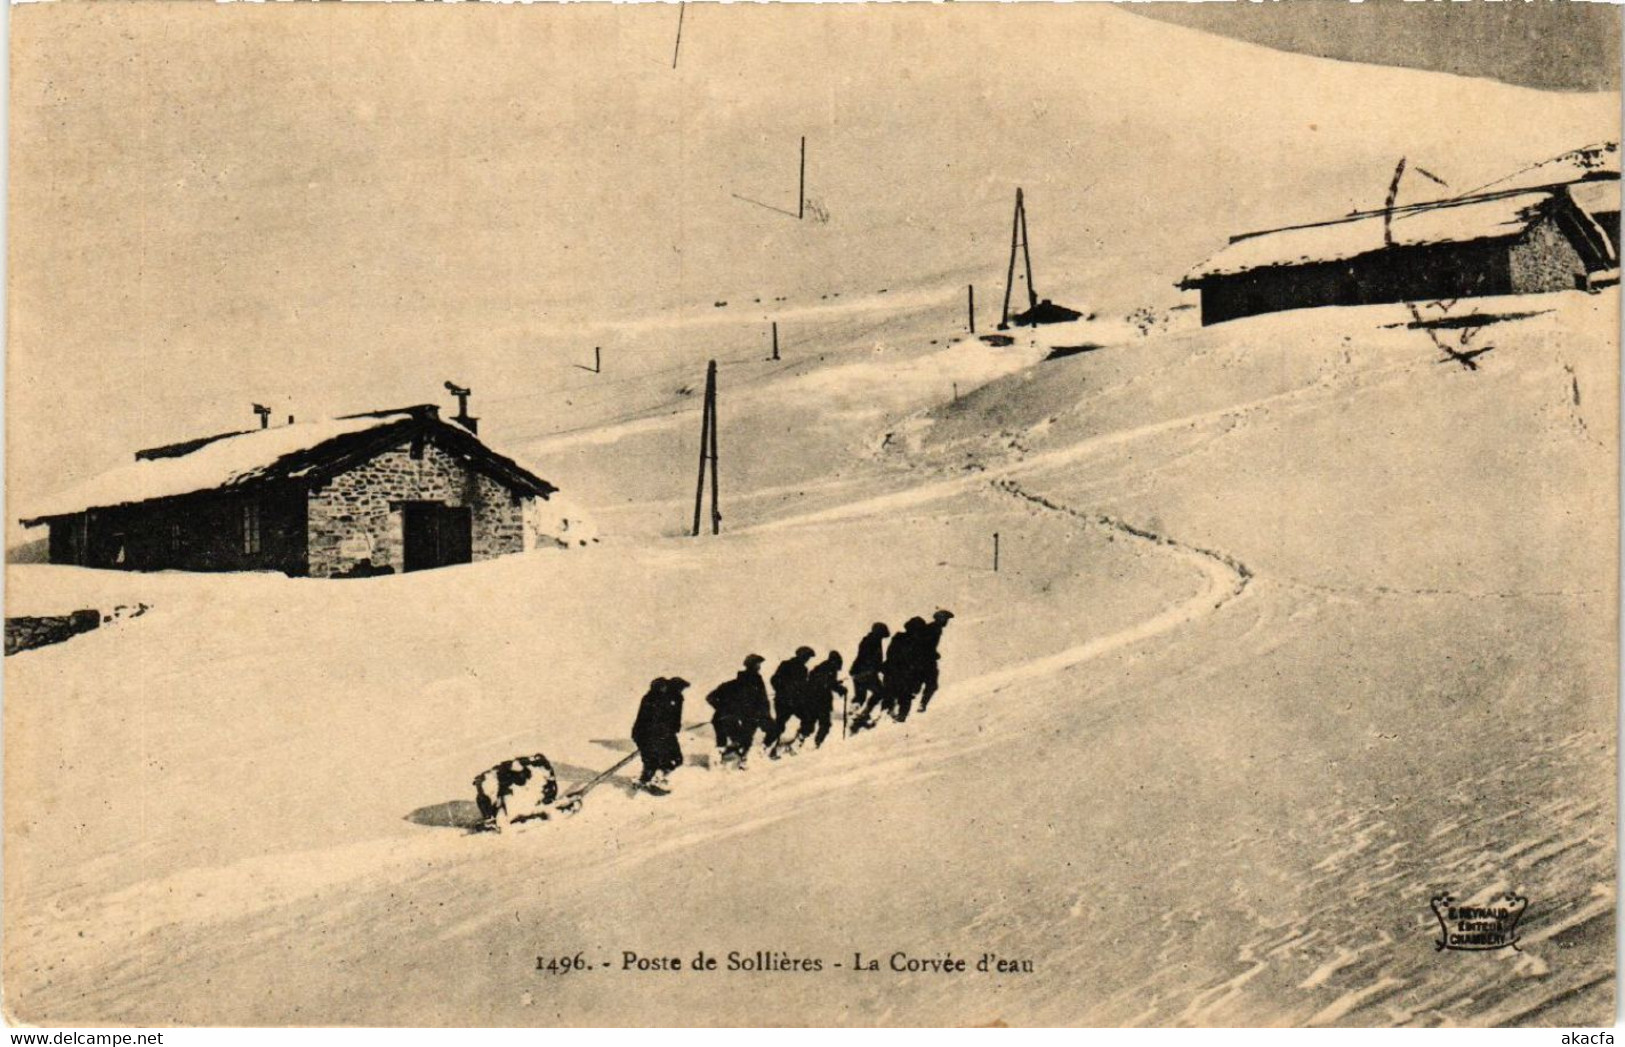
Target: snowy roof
(1436, 222)
(307, 450)
(1600, 161)
(1596, 196)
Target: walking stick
(571, 802)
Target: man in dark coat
(818, 700)
(740, 707)
(655, 732)
(866, 683)
(789, 691)
(648, 730)
(903, 675)
(930, 638)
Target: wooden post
(711, 386)
(1027, 252)
(597, 360)
(995, 552)
(705, 447)
(970, 306)
(801, 184)
(1018, 238)
(678, 46)
(775, 339)
(1010, 273)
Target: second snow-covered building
(1516, 241)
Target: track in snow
(1227, 580)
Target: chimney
(290, 419)
(265, 415)
(463, 418)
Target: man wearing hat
(929, 656)
(866, 685)
(789, 696)
(655, 731)
(739, 707)
(905, 659)
(818, 700)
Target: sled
(501, 792)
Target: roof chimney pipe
(463, 418)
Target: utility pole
(995, 552)
(1018, 239)
(678, 46)
(801, 185)
(711, 385)
(970, 306)
(775, 339)
(708, 452)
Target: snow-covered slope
(540, 181)
(1294, 625)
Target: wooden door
(435, 535)
(456, 534)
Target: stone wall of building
(1545, 260)
(24, 634)
(355, 519)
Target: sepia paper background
(1296, 624)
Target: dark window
(251, 527)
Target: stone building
(381, 492)
(1514, 241)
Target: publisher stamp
(1478, 928)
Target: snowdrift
(1141, 147)
(1257, 580)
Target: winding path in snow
(1227, 576)
(926, 493)
(1227, 579)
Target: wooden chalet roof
(1486, 217)
(310, 452)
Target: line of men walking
(886, 680)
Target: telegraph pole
(1018, 240)
(801, 185)
(708, 453)
(711, 383)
